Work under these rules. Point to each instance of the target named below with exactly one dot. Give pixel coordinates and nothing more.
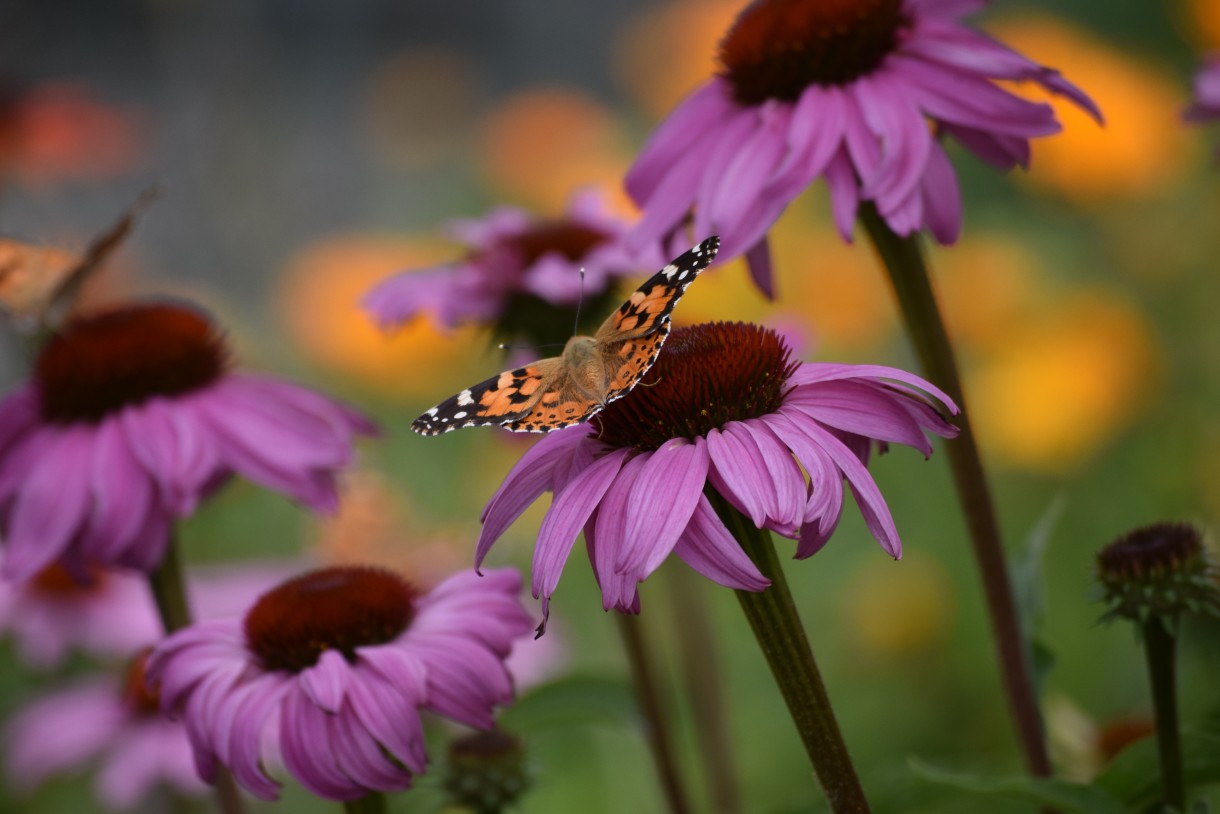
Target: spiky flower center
(705, 376)
(1158, 570)
(777, 48)
(340, 608)
(100, 364)
(139, 698)
(571, 239)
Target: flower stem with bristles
(371, 803)
(656, 723)
(908, 274)
(777, 626)
(1160, 647)
(702, 668)
(169, 593)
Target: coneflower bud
(1158, 571)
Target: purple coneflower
(519, 272)
(132, 418)
(845, 90)
(1205, 106)
(114, 726)
(724, 409)
(327, 674)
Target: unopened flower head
(724, 408)
(328, 673)
(1158, 571)
(131, 419)
(857, 92)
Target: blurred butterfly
(38, 284)
(592, 371)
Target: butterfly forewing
(541, 396)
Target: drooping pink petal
(663, 498)
(708, 547)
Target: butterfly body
(592, 370)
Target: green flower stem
(656, 723)
(1160, 646)
(909, 276)
(371, 803)
(169, 592)
(776, 624)
(699, 655)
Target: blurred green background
(308, 149)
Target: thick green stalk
(656, 722)
(777, 626)
(169, 592)
(1159, 647)
(908, 274)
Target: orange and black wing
(631, 338)
(501, 400)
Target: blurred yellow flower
(319, 291)
(1064, 382)
(1143, 147)
(828, 291)
(895, 610)
(666, 50)
(986, 284)
(541, 144)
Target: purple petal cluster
(739, 165)
(106, 493)
(344, 728)
(509, 256)
(784, 470)
(89, 724)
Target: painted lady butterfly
(592, 372)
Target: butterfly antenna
(580, 301)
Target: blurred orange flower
(1204, 22)
(1143, 147)
(666, 50)
(987, 283)
(1064, 382)
(895, 610)
(541, 144)
(373, 527)
(317, 303)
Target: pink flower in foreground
(1205, 106)
(722, 408)
(518, 271)
(100, 722)
(131, 419)
(843, 90)
(327, 675)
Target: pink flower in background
(514, 261)
(130, 420)
(102, 723)
(111, 613)
(843, 91)
(1205, 106)
(105, 613)
(722, 407)
(327, 675)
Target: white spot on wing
(464, 398)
